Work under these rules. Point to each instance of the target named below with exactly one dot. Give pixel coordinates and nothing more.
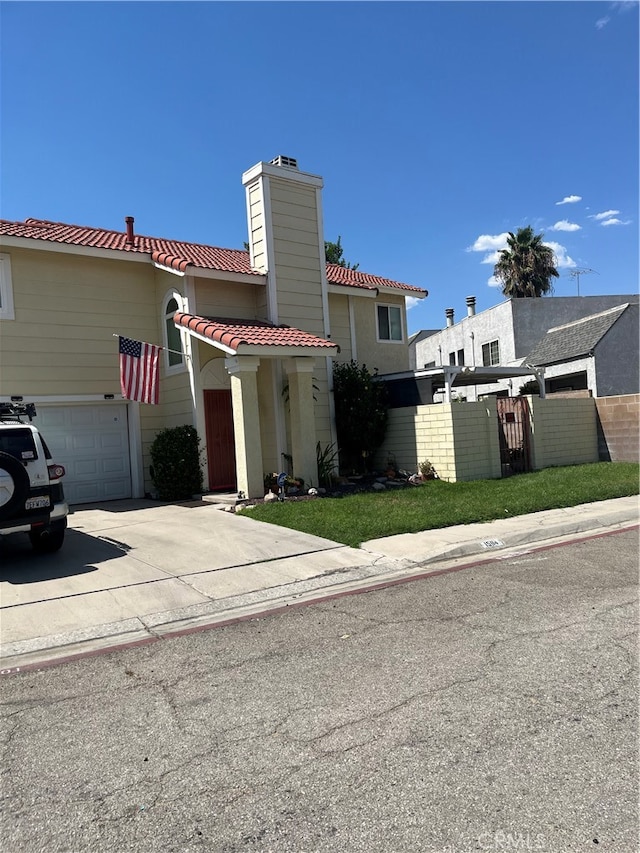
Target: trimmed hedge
(175, 468)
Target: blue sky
(437, 128)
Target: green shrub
(361, 405)
(175, 468)
(327, 463)
(529, 387)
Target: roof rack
(16, 411)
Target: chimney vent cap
(287, 162)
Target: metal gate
(514, 432)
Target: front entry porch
(252, 411)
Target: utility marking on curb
(295, 605)
(492, 543)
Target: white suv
(31, 494)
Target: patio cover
(448, 376)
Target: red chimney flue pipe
(130, 241)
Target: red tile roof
(234, 333)
(355, 278)
(176, 254)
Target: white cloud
(486, 242)
(565, 225)
(491, 258)
(605, 214)
(570, 199)
(492, 281)
(619, 6)
(411, 302)
(616, 222)
(562, 259)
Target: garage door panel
(85, 468)
(113, 489)
(92, 443)
(81, 416)
(82, 443)
(113, 441)
(114, 466)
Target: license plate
(37, 503)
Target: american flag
(139, 373)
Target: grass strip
(354, 519)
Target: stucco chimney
(284, 216)
(449, 315)
(131, 240)
(471, 306)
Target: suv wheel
(14, 484)
(46, 541)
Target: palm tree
(526, 266)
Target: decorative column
(302, 415)
(246, 424)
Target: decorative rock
(379, 487)
(270, 497)
(381, 479)
(313, 492)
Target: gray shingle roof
(576, 339)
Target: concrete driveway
(127, 565)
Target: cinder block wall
(618, 431)
(563, 431)
(459, 439)
(477, 445)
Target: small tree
(333, 255)
(175, 468)
(361, 405)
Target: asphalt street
(491, 708)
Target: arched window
(173, 338)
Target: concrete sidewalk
(137, 571)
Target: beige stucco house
(237, 327)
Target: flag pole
(177, 351)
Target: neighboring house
(582, 342)
(249, 339)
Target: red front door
(221, 454)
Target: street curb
(383, 572)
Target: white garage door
(92, 442)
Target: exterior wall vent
(287, 162)
(449, 315)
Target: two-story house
(249, 338)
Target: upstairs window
(6, 289)
(490, 354)
(389, 323)
(173, 338)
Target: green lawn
(357, 518)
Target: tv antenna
(578, 272)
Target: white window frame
(181, 366)
(490, 344)
(6, 289)
(382, 340)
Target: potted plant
(427, 471)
